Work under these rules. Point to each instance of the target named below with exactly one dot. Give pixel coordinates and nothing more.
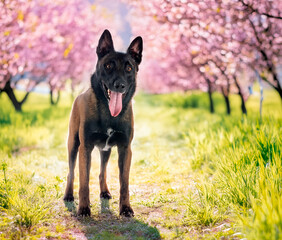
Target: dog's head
(115, 74)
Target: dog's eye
(128, 68)
(108, 66)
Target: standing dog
(102, 116)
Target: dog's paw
(105, 195)
(126, 211)
(68, 198)
(83, 211)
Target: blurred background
(211, 46)
(207, 148)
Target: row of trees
(48, 41)
(210, 45)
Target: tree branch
(250, 7)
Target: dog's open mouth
(115, 101)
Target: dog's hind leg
(104, 191)
(73, 144)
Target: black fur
(92, 123)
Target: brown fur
(85, 108)
(92, 124)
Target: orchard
(207, 145)
(212, 46)
(209, 45)
(48, 41)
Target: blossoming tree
(208, 45)
(49, 41)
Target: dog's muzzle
(115, 97)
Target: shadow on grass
(106, 225)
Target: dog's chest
(107, 146)
(105, 135)
(106, 138)
(105, 141)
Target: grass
(194, 175)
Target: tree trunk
(210, 95)
(10, 92)
(269, 62)
(272, 70)
(279, 90)
(211, 102)
(226, 99)
(11, 95)
(279, 87)
(54, 102)
(243, 105)
(227, 103)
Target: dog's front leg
(124, 162)
(84, 174)
(104, 191)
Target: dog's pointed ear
(105, 45)
(135, 49)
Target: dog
(102, 117)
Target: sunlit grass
(194, 174)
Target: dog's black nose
(119, 86)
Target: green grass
(194, 175)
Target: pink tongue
(115, 104)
